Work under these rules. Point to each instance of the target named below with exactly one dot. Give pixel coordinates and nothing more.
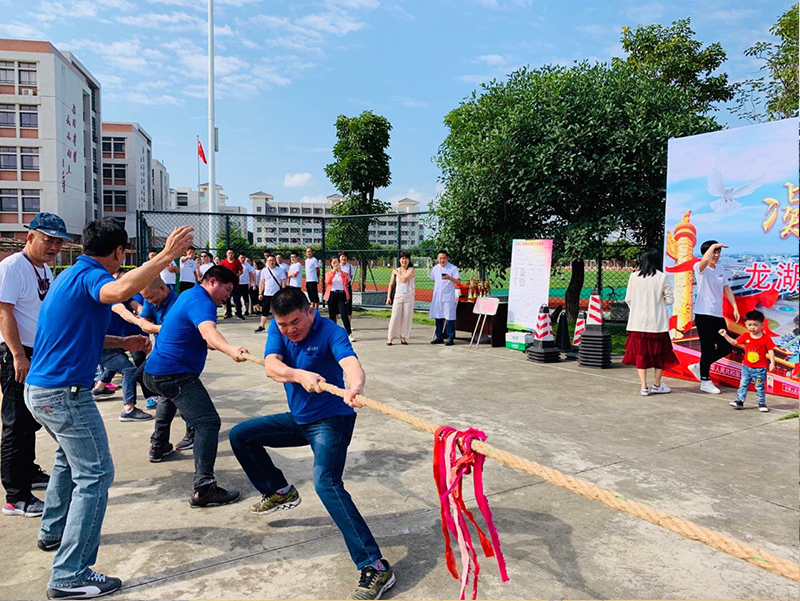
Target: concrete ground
(687, 453)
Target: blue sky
(286, 69)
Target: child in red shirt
(757, 351)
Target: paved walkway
(686, 453)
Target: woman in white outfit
(403, 305)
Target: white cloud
(597, 29)
(296, 180)
(16, 29)
(143, 98)
(318, 198)
(734, 14)
(646, 14)
(413, 104)
(493, 60)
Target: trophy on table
(486, 288)
(471, 290)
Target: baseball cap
(49, 224)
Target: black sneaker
(228, 317)
(104, 392)
(135, 415)
(258, 329)
(213, 497)
(187, 442)
(736, 404)
(40, 480)
(450, 342)
(158, 453)
(373, 583)
(32, 508)
(47, 545)
(242, 317)
(94, 585)
(437, 341)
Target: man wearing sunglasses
(24, 281)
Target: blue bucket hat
(50, 224)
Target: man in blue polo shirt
(173, 371)
(70, 336)
(158, 300)
(302, 351)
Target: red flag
(200, 152)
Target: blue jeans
(115, 359)
(756, 375)
(187, 393)
(445, 325)
(77, 494)
(329, 439)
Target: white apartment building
(49, 145)
(292, 223)
(159, 185)
(127, 178)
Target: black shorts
(265, 306)
(313, 292)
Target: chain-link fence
(372, 243)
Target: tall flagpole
(212, 138)
(197, 152)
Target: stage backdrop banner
(530, 282)
(739, 187)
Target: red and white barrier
(580, 326)
(595, 311)
(544, 327)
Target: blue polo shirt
(119, 327)
(157, 313)
(71, 328)
(180, 348)
(320, 352)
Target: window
(8, 157)
(29, 159)
(107, 171)
(106, 145)
(28, 116)
(115, 201)
(7, 72)
(283, 210)
(30, 201)
(7, 114)
(119, 147)
(27, 74)
(183, 199)
(120, 174)
(9, 201)
(258, 210)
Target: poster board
(529, 286)
(739, 187)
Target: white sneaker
(661, 389)
(763, 409)
(645, 392)
(708, 386)
(351, 338)
(695, 369)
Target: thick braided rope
(716, 540)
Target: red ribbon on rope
(448, 471)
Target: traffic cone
(595, 350)
(563, 339)
(544, 348)
(580, 326)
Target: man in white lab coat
(445, 278)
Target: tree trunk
(573, 295)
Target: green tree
(573, 154)
(236, 241)
(775, 94)
(673, 55)
(360, 167)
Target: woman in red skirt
(649, 344)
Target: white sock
(284, 490)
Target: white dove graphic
(725, 202)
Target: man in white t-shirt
(24, 281)
(167, 274)
(313, 267)
(445, 278)
(206, 263)
(282, 265)
(713, 282)
(272, 279)
(246, 282)
(188, 270)
(295, 273)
